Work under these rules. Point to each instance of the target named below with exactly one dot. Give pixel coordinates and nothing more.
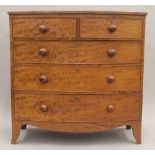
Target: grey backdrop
(115, 139)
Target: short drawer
(76, 78)
(44, 27)
(76, 108)
(84, 52)
(111, 28)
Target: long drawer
(111, 28)
(76, 108)
(84, 52)
(44, 27)
(75, 78)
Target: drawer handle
(43, 108)
(112, 28)
(110, 108)
(110, 79)
(43, 79)
(43, 28)
(111, 52)
(43, 52)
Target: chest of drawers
(77, 72)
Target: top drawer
(48, 27)
(111, 28)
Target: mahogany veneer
(77, 71)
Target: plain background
(118, 138)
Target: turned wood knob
(110, 108)
(43, 28)
(43, 52)
(43, 79)
(110, 79)
(111, 52)
(112, 28)
(43, 108)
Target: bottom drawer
(76, 108)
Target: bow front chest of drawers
(77, 72)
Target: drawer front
(76, 108)
(77, 78)
(110, 28)
(51, 28)
(101, 52)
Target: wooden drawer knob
(43, 28)
(111, 52)
(43, 52)
(110, 79)
(43, 108)
(43, 79)
(112, 28)
(110, 108)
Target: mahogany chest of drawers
(77, 72)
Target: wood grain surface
(77, 79)
(57, 28)
(82, 52)
(76, 108)
(99, 28)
